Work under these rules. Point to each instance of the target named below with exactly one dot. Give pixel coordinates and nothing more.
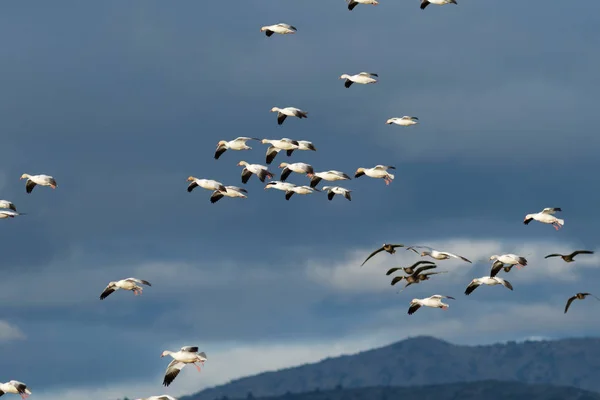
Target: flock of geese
(505, 262)
(414, 274)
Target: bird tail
(561, 222)
(391, 176)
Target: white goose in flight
(434, 301)
(283, 113)
(438, 255)
(7, 204)
(354, 3)
(9, 214)
(487, 280)
(187, 355)
(232, 191)
(276, 145)
(125, 284)
(281, 28)
(299, 168)
(15, 387)
(260, 171)
(425, 3)
(331, 175)
(364, 78)
(300, 190)
(42, 180)
(378, 171)
(545, 216)
(162, 397)
(284, 186)
(207, 184)
(235, 144)
(510, 259)
(333, 190)
(404, 121)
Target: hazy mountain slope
(488, 390)
(425, 361)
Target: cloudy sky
(122, 101)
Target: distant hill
(425, 361)
(487, 390)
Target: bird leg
(197, 367)
(444, 307)
(24, 396)
(519, 266)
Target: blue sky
(122, 101)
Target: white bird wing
(550, 210)
(173, 370)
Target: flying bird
(7, 204)
(411, 270)
(333, 190)
(434, 301)
(232, 191)
(404, 121)
(207, 184)
(125, 284)
(299, 168)
(487, 280)
(284, 186)
(277, 145)
(15, 387)
(187, 355)
(390, 248)
(545, 216)
(283, 113)
(42, 180)
(302, 145)
(579, 296)
(299, 190)
(378, 171)
(281, 28)
(163, 397)
(363, 78)
(438, 255)
(425, 3)
(570, 257)
(260, 171)
(330, 176)
(410, 279)
(510, 259)
(9, 214)
(235, 144)
(354, 3)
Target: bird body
(299, 190)
(207, 184)
(378, 171)
(284, 186)
(281, 28)
(125, 284)
(330, 176)
(404, 121)
(15, 387)
(434, 301)
(354, 3)
(333, 190)
(299, 168)
(8, 214)
(276, 145)
(42, 180)
(232, 191)
(260, 171)
(487, 280)
(425, 3)
(363, 78)
(235, 144)
(283, 113)
(546, 216)
(8, 205)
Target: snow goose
(412, 279)
(570, 257)
(411, 270)
(284, 186)
(578, 296)
(487, 280)
(510, 259)
(235, 144)
(7, 204)
(438, 255)
(302, 145)
(187, 355)
(207, 184)
(162, 397)
(299, 168)
(299, 190)
(9, 214)
(354, 3)
(363, 78)
(425, 3)
(390, 248)
(283, 113)
(378, 171)
(259, 170)
(434, 301)
(333, 190)
(545, 216)
(281, 28)
(42, 180)
(232, 191)
(330, 176)
(125, 284)
(15, 387)
(404, 121)
(276, 145)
